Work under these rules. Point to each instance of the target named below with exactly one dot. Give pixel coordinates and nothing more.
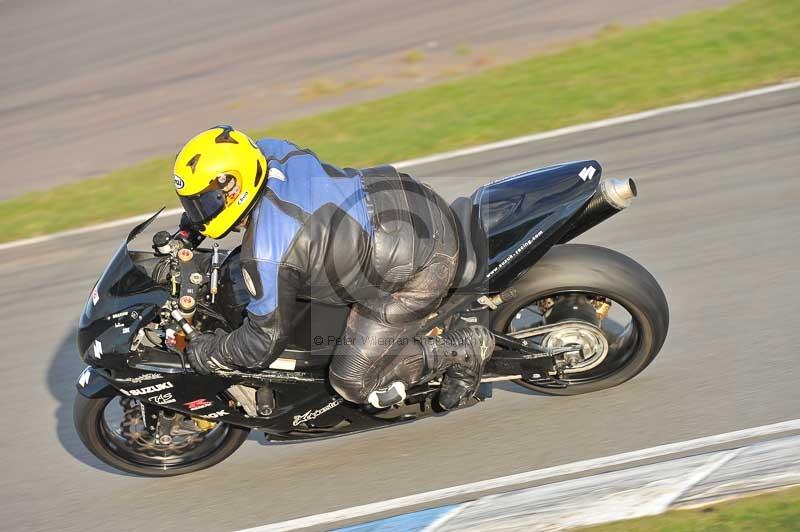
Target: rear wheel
(113, 429)
(601, 302)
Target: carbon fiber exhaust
(612, 196)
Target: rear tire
(592, 269)
(88, 418)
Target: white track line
(83, 230)
(527, 477)
(698, 476)
(441, 521)
(635, 117)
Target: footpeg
(265, 401)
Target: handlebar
(186, 236)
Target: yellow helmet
(219, 175)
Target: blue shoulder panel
(274, 233)
(299, 177)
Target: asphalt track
(716, 222)
(88, 86)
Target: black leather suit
(373, 238)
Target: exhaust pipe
(613, 196)
(618, 192)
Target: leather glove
(200, 354)
(189, 233)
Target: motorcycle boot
(462, 353)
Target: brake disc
(184, 435)
(591, 345)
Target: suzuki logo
(83, 380)
(587, 173)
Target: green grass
(698, 55)
(771, 512)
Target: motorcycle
(567, 318)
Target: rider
(373, 238)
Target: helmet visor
(203, 207)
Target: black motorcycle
(568, 319)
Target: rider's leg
(377, 362)
(381, 358)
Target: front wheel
(112, 428)
(597, 300)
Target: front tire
(598, 271)
(90, 423)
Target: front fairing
(123, 300)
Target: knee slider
(391, 395)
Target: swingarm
(518, 356)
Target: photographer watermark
(361, 340)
